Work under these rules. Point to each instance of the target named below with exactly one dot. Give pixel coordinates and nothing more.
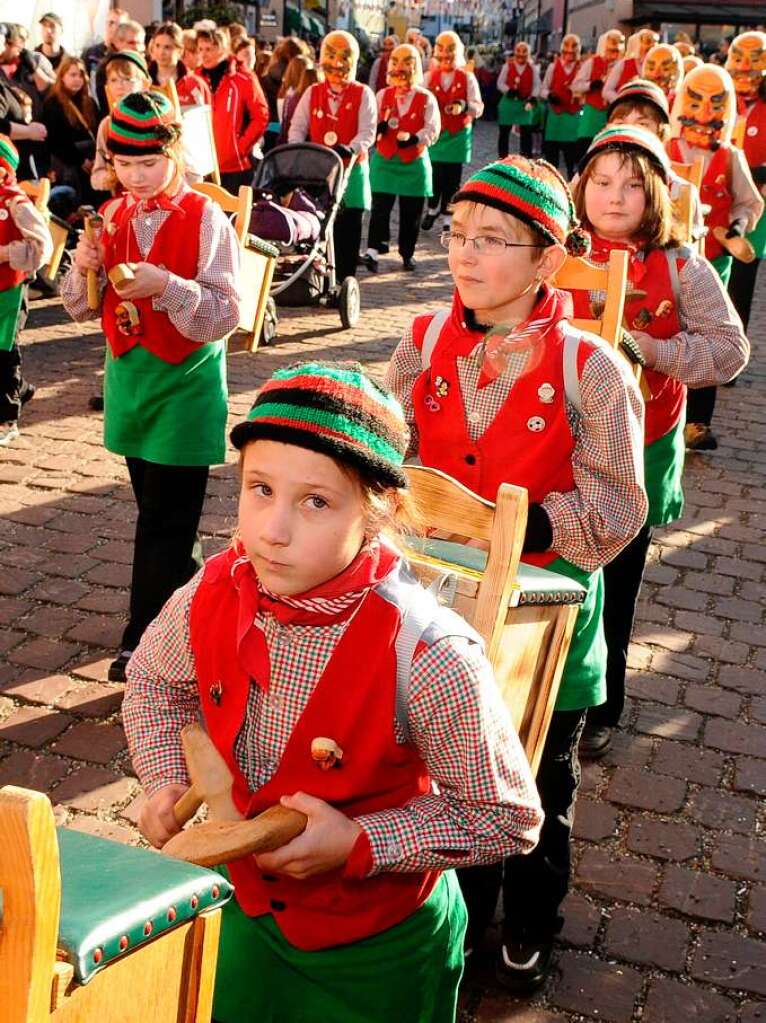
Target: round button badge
(752, 131)
(330, 138)
(393, 123)
(536, 424)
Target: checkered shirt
(483, 805)
(592, 523)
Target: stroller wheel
(349, 302)
(269, 327)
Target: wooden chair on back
(692, 172)
(578, 274)
(525, 616)
(684, 205)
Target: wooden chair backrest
(241, 204)
(38, 191)
(692, 172)
(445, 505)
(577, 274)
(738, 133)
(683, 211)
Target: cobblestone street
(666, 922)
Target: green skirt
(583, 682)
(171, 415)
(10, 307)
(663, 476)
(397, 178)
(562, 127)
(358, 195)
(407, 974)
(512, 111)
(722, 266)
(591, 122)
(453, 147)
(757, 237)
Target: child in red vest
(501, 388)
(165, 376)
(311, 625)
(25, 246)
(689, 334)
(519, 86)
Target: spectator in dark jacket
(70, 116)
(17, 122)
(52, 28)
(96, 53)
(30, 70)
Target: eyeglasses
(484, 244)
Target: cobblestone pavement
(667, 919)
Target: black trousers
(233, 179)
(622, 583)
(569, 150)
(700, 404)
(410, 212)
(526, 133)
(741, 287)
(534, 886)
(446, 185)
(167, 549)
(346, 239)
(12, 383)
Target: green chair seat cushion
(116, 897)
(536, 585)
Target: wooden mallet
(227, 835)
(93, 223)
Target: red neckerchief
(501, 343)
(334, 601)
(161, 202)
(601, 247)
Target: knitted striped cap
(534, 192)
(642, 91)
(133, 57)
(629, 138)
(142, 123)
(335, 409)
(9, 155)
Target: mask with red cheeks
(338, 58)
(448, 51)
(746, 63)
(705, 109)
(404, 68)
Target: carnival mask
(338, 57)
(570, 49)
(664, 67)
(404, 67)
(691, 62)
(705, 108)
(746, 63)
(641, 42)
(448, 51)
(684, 48)
(521, 53)
(612, 46)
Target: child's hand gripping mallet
(93, 223)
(227, 836)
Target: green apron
(757, 237)
(591, 122)
(10, 307)
(511, 111)
(722, 266)
(358, 195)
(397, 178)
(453, 147)
(408, 973)
(171, 415)
(583, 682)
(663, 476)
(562, 127)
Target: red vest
(512, 449)
(353, 702)
(629, 71)
(176, 248)
(754, 145)
(715, 192)
(382, 75)
(10, 278)
(344, 125)
(655, 314)
(561, 87)
(521, 83)
(599, 69)
(411, 122)
(452, 123)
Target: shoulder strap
(431, 336)
(571, 375)
(671, 255)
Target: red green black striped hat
(333, 408)
(534, 192)
(629, 138)
(9, 155)
(640, 90)
(142, 123)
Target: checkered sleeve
(207, 308)
(402, 372)
(161, 694)
(484, 804)
(712, 347)
(74, 295)
(594, 521)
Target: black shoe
(26, 392)
(409, 264)
(595, 741)
(371, 263)
(383, 248)
(117, 668)
(523, 966)
(699, 437)
(429, 220)
(96, 403)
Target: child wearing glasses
(501, 388)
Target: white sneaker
(8, 432)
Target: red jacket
(240, 116)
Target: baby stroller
(305, 272)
